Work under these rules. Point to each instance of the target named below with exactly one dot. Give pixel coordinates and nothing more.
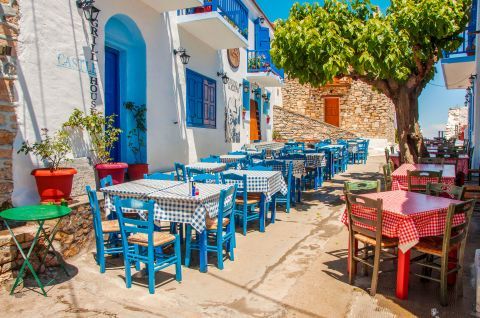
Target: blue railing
(261, 61)
(468, 44)
(234, 11)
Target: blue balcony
(222, 24)
(169, 5)
(467, 48)
(262, 70)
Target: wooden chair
(436, 161)
(438, 248)
(437, 189)
(414, 179)
(387, 155)
(362, 187)
(369, 232)
(387, 177)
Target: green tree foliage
(395, 52)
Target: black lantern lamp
(469, 90)
(472, 78)
(258, 94)
(265, 98)
(261, 19)
(184, 57)
(246, 89)
(224, 76)
(89, 10)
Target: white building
(191, 113)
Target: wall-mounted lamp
(246, 89)
(224, 77)
(261, 19)
(258, 94)
(472, 78)
(89, 10)
(184, 57)
(265, 98)
(469, 90)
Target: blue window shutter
(246, 95)
(194, 99)
(209, 103)
(266, 106)
(262, 38)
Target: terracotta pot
(54, 185)
(116, 170)
(137, 170)
(268, 120)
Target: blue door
(112, 93)
(262, 38)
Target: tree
(394, 52)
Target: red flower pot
(268, 120)
(116, 170)
(243, 114)
(137, 170)
(54, 185)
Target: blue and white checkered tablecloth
(139, 188)
(266, 182)
(298, 167)
(315, 160)
(208, 167)
(232, 158)
(173, 203)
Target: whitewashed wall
(50, 88)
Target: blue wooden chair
(247, 206)
(237, 153)
(191, 172)
(207, 178)
(221, 230)
(181, 172)
(290, 196)
(110, 246)
(362, 152)
(212, 159)
(260, 168)
(276, 165)
(141, 244)
(106, 182)
(160, 176)
(232, 165)
(260, 156)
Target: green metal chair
(362, 187)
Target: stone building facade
(362, 111)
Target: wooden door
(254, 124)
(332, 111)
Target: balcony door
(332, 111)
(262, 38)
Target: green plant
(394, 52)
(136, 136)
(276, 135)
(101, 129)
(52, 150)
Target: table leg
(26, 262)
(274, 208)
(49, 239)
(262, 213)
(403, 272)
(203, 251)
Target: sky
(435, 99)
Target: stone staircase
(291, 125)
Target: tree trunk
(409, 136)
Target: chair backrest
(193, 172)
(425, 160)
(232, 165)
(237, 153)
(211, 159)
(457, 234)
(359, 187)
(260, 168)
(370, 226)
(417, 180)
(106, 182)
(277, 165)
(207, 178)
(160, 176)
(97, 217)
(387, 176)
(138, 225)
(240, 181)
(181, 172)
(260, 155)
(450, 190)
(295, 156)
(387, 155)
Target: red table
(400, 179)
(462, 165)
(408, 216)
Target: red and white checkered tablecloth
(462, 165)
(400, 179)
(408, 216)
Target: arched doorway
(125, 81)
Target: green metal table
(39, 214)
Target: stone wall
(8, 99)
(291, 125)
(75, 233)
(363, 111)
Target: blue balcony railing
(467, 47)
(233, 11)
(261, 61)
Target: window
(201, 101)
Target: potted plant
(268, 119)
(136, 140)
(54, 183)
(103, 137)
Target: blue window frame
(201, 101)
